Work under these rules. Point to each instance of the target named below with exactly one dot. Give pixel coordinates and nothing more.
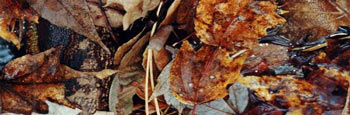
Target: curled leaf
(73, 15)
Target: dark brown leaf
(69, 14)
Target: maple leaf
(27, 82)
(72, 15)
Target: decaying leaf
(134, 9)
(55, 109)
(161, 57)
(7, 34)
(238, 97)
(200, 76)
(346, 110)
(33, 79)
(218, 23)
(163, 88)
(122, 90)
(236, 104)
(318, 93)
(69, 14)
(314, 19)
(294, 93)
(125, 48)
(114, 17)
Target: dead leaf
(314, 19)
(7, 34)
(33, 79)
(346, 110)
(163, 88)
(56, 109)
(135, 51)
(217, 107)
(218, 23)
(297, 95)
(114, 17)
(134, 9)
(238, 97)
(72, 15)
(201, 76)
(157, 43)
(125, 48)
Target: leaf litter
(222, 70)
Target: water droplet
(190, 85)
(212, 77)
(181, 95)
(201, 90)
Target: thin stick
(149, 68)
(146, 85)
(152, 81)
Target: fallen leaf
(346, 110)
(161, 57)
(7, 34)
(114, 17)
(134, 9)
(72, 15)
(313, 19)
(218, 23)
(201, 76)
(33, 79)
(318, 93)
(56, 109)
(238, 97)
(125, 48)
(217, 107)
(163, 88)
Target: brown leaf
(114, 17)
(72, 15)
(314, 19)
(124, 49)
(218, 23)
(161, 57)
(34, 79)
(134, 9)
(201, 76)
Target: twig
(146, 85)
(152, 81)
(109, 27)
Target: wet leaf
(314, 19)
(7, 52)
(218, 23)
(217, 107)
(33, 79)
(163, 88)
(200, 76)
(238, 97)
(72, 15)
